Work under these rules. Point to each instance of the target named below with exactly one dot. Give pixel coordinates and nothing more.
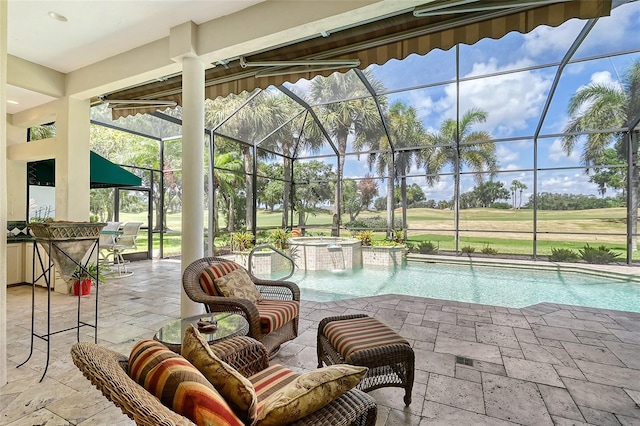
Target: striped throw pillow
(179, 385)
(233, 386)
(209, 275)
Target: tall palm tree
(458, 146)
(295, 136)
(406, 130)
(516, 186)
(227, 176)
(249, 124)
(600, 106)
(354, 113)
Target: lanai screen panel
(143, 124)
(616, 33)
(416, 71)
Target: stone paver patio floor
(475, 364)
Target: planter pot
(82, 287)
(67, 242)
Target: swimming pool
(515, 288)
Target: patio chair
(125, 241)
(108, 372)
(107, 241)
(273, 320)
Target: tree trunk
(391, 199)
(342, 148)
(520, 204)
(285, 194)
(246, 154)
(403, 190)
(231, 215)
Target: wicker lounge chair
(270, 291)
(107, 370)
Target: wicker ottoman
(362, 340)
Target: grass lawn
(507, 231)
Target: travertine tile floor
(542, 365)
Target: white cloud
(511, 166)
(602, 77)
(442, 190)
(561, 182)
(506, 155)
(544, 39)
(510, 99)
(557, 154)
(609, 33)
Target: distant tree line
(550, 201)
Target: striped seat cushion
(276, 313)
(352, 335)
(209, 275)
(179, 385)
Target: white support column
(192, 171)
(73, 130)
(3, 194)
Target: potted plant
(280, 238)
(83, 278)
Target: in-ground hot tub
(325, 253)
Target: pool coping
(607, 271)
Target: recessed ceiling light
(57, 17)
(9, 101)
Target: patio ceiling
(376, 42)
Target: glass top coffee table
(228, 325)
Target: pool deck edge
(624, 272)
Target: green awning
(103, 173)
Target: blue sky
(514, 101)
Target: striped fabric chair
(272, 321)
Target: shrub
(563, 255)
(423, 247)
(375, 222)
(601, 255)
(501, 206)
(468, 249)
(365, 237)
(488, 250)
(241, 241)
(398, 236)
(280, 238)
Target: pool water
(509, 287)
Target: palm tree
(600, 106)
(292, 137)
(516, 185)
(457, 146)
(227, 176)
(42, 132)
(248, 124)
(405, 129)
(346, 118)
